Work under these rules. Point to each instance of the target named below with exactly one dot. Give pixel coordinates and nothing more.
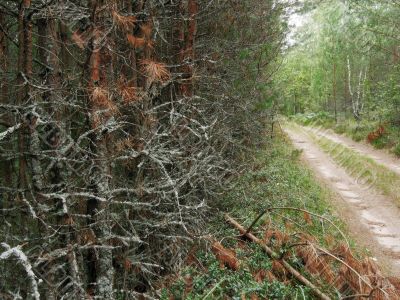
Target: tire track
(372, 218)
(382, 157)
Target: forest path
(372, 218)
(382, 157)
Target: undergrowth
(396, 150)
(276, 179)
(358, 131)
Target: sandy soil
(382, 157)
(372, 219)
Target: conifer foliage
(119, 122)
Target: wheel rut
(372, 218)
(382, 157)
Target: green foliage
(339, 43)
(381, 142)
(396, 150)
(340, 128)
(219, 282)
(383, 179)
(316, 119)
(358, 135)
(276, 179)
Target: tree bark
(347, 101)
(187, 53)
(100, 265)
(23, 68)
(6, 166)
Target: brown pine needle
(135, 42)
(125, 23)
(155, 71)
(147, 30)
(78, 40)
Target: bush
(396, 150)
(358, 136)
(340, 128)
(381, 142)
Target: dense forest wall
(119, 123)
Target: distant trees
(350, 50)
(119, 122)
(357, 94)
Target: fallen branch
(296, 209)
(361, 278)
(274, 255)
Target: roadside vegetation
(379, 135)
(361, 167)
(277, 179)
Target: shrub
(375, 135)
(381, 142)
(396, 150)
(358, 136)
(340, 128)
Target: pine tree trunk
(190, 42)
(22, 92)
(186, 34)
(6, 167)
(100, 266)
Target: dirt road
(380, 156)
(372, 218)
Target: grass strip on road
(362, 168)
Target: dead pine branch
(271, 253)
(308, 213)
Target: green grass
(317, 119)
(275, 178)
(358, 131)
(218, 283)
(340, 128)
(381, 142)
(396, 150)
(357, 136)
(362, 167)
